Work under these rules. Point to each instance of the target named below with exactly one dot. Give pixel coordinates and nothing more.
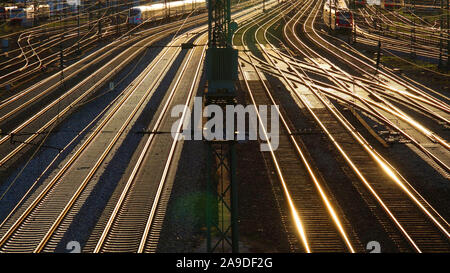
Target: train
(5, 12)
(338, 16)
(42, 12)
(59, 8)
(159, 10)
(18, 15)
(391, 4)
(360, 3)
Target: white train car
(40, 12)
(5, 12)
(8, 10)
(140, 14)
(43, 11)
(17, 15)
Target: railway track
(20, 60)
(424, 34)
(357, 63)
(318, 221)
(58, 198)
(409, 213)
(133, 217)
(54, 204)
(44, 118)
(398, 37)
(14, 104)
(421, 226)
(136, 219)
(28, 65)
(15, 120)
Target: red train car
(392, 4)
(360, 3)
(337, 16)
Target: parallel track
(51, 205)
(420, 225)
(318, 222)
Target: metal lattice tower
(219, 19)
(221, 192)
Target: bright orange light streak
(294, 212)
(305, 161)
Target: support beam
(221, 71)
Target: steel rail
(320, 188)
(386, 167)
(98, 162)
